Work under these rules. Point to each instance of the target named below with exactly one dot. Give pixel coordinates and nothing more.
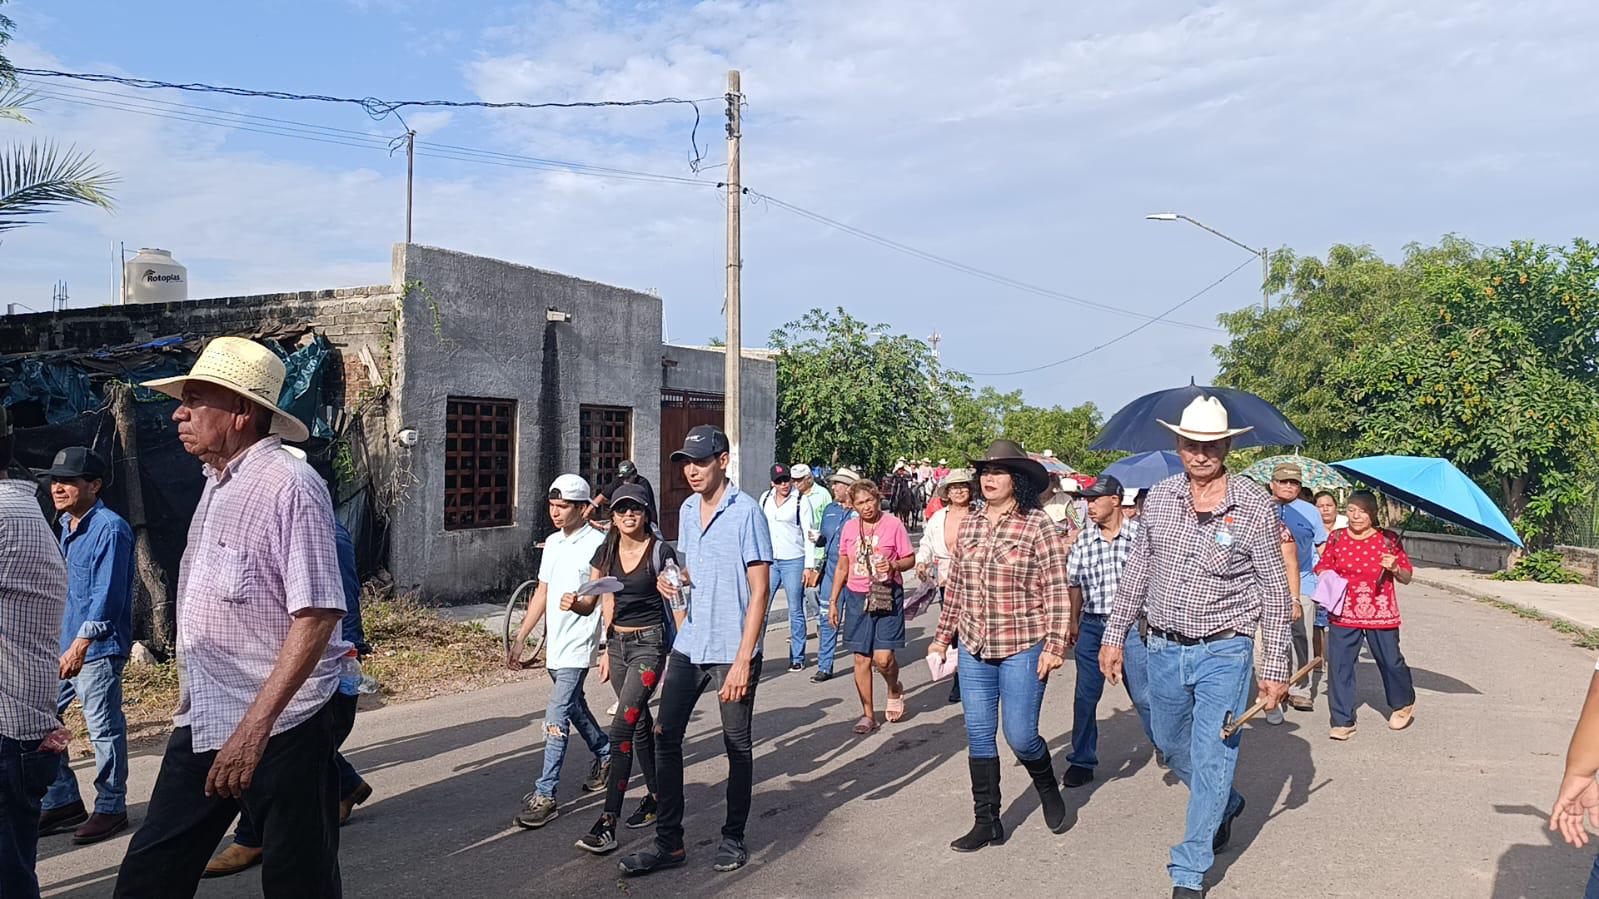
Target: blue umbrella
(1135, 428)
(1436, 487)
(1144, 470)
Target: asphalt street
(1453, 807)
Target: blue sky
(1025, 138)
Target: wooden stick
(1231, 725)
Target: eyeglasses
(628, 509)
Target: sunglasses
(627, 508)
(783, 481)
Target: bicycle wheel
(515, 613)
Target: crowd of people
(1196, 594)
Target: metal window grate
(606, 440)
(479, 457)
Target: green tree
(849, 392)
(1499, 378)
(38, 177)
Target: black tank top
(638, 603)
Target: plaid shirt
(1007, 586)
(1197, 579)
(261, 549)
(33, 594)
(1095, 565)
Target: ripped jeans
(567, 709)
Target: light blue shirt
(717, 558)
(1304, 523)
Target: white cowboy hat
(1205, 420)
(246, 368)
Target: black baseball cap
(780, 473)
(1107, 485)
(704, 442)
(631, 493)
(627, 468)
(78, 462)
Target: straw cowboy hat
(954, 478)
(246, 368)
(1010, 456)
(1205, 420)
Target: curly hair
(1028, 495)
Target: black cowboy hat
(1010, 456)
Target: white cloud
(1024, 137)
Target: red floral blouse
(1371, 602)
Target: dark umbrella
(1135, 428)
(1436, 487)
(1144, 470)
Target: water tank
(154, 276)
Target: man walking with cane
(1206, 568)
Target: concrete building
(469, 385)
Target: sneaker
(1341, 733)
(599, 776)
(63, 819)
(601, 838)
(1275, 716)
(796, 666)
(730, 856)
(644, 815)
(537, 811)
(650, 860)
(821, 676)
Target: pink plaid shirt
(260, 551)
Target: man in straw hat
(259, 604)
(1207, 569)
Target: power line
(963, 267)
(376, 108)
(1118, 338)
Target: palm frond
(40, 176)
(14, 99)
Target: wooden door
(681, 412)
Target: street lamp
(1263, 253)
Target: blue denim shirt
(833, 518)
(716, 559)
(354, 632)
(99, 555)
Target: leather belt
(1227, 634)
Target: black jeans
(293, 799)
(249, 836)
(685, 681)
(635, 660)
(25, 775)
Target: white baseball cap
(571, 488)
(800, 471)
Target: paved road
(1454, 807)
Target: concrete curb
(1465, 593)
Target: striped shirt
(33, 594)
(1095, 565)
(261, 550)
(1198, 575)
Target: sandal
(865, 725)
(894, 710)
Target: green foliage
(978, 419)
(1544, 566)
(38, 177)
(1482, 357)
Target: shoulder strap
(657, 554)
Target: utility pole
(410, 174)
(731, 418)
(1265, 275)
(934, 341)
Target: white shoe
(1274, 716)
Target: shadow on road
(1547, 869)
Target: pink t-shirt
(887, 538)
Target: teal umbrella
(1436, 487)
(1318, 475)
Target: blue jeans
(567, 709)
(789, 574)
(1006, 688)
(1592, 892)
(1191, 689)
(1091, 686)
(99, 687)
(25, 773)
(1343, 654)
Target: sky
(1024, 139)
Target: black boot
(1043, 773)
(985, 804)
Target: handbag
(880, 595)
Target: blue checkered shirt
(1197, 579)
(1095, 565)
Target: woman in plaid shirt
(1008, 602)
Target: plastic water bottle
(674, 576)
(350, 674)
